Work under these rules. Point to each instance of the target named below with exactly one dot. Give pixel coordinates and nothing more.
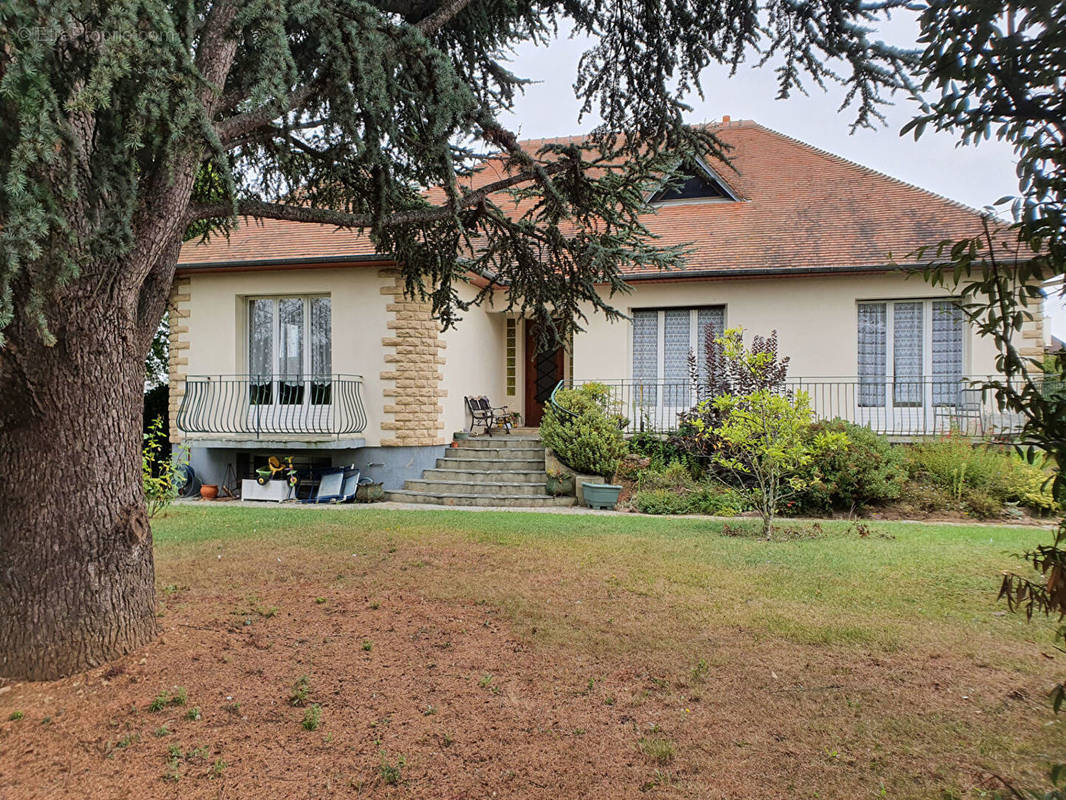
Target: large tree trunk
(76, 570)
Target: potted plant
(584, 434)
(559, 483)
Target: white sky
(976, 176)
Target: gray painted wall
(394, 465)
(388, 465)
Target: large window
(662, 341)
(289, 349)
(911, 353)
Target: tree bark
(77, 584)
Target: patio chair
(484, 414)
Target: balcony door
(911, 366)
(289, 362)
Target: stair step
(499, 442)
(492, 464)
(526, 453)
(510, 501)
(481, 475)
(496, 489)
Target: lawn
(380, 653)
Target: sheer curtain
(712, 317)
(948, 329)
(873, 353)
(321, 350)
(645, 356)
(676, 340)
(907, 353)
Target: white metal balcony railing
(272, 404)
(900, 407)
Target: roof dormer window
(702, 184)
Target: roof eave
(282, 263)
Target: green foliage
(657, 748)
(704, 499)
(312, 717)
(391, 774)
(995, 69)
(584, 433)
(761, 448)
(301, 691)
(729, 368)
(178, 698)
(660, 501)
(660, 449)
(850, 468)
(159, 471)
(675, 475)
(979, 478)
(356, 106)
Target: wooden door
(543, 372)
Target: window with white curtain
(662, 340)
(290, 345)
(910, 353)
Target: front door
(543, 371)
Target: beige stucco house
(790, 238)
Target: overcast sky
(976, 176)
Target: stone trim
(179, 307)
(1032, 343)
(412, 378)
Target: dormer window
(702, 184)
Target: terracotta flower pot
(209, 491)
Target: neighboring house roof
(801, 210)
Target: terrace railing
(899, 407)
(258, 405)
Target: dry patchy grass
(624, 657)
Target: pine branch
(445, 13)
(234, 128)
(341, 219)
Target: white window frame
(928, 405)
(275, 333)
(927, 333)
(660, 333)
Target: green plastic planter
(601, 495)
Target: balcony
(275, 411)
(900, 408)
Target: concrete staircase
(500, 470)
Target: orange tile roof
(801, 209)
